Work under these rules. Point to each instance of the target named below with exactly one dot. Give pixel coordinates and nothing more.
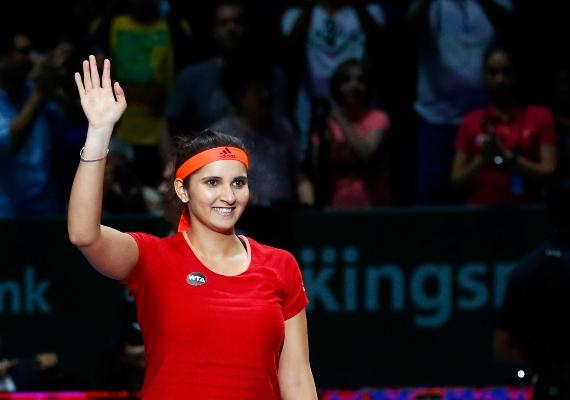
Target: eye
(211, 182)
(241, 182)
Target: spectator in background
(197, 99)
(70, 124)
(169, 208)
(534, 324)
(319, 37)
(123, 191)
(505, 150)
(354, 145)
(41, 371)
(27, 186)
(451, 37)
(275, 176)
(125, 366)
(141, 47)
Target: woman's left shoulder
(270, 253)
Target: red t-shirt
(211, 336)
(528, 128)
(355, 185)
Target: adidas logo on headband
(227, 154)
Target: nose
(228, 196)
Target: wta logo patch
(196, 279)
(227, 154)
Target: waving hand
(103, 103)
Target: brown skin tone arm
(536, 169)
(295, 377)
(464, 171)
(109, 251)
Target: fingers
(80, 87)
(87, 76)
(106, 78)
(120, 94)
(94, 72)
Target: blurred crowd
(342, 104)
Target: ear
(181, 191)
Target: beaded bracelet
(93, 160)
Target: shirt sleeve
(139, 272)
(547, 128)
(295, 296)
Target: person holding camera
(27, 85)
(505, 150)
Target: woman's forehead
(223, 168)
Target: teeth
(223, 210)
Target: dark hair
(188, 146)
(237, 77)
(341, 73)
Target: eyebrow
(207, 178)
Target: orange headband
(196, 162)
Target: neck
(209, 243)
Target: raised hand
(102, 102)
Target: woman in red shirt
(222, 316)
(504, 151)
(357, 156)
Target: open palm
(102, 102)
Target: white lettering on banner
(432, 290)
(26, 297)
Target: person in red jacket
(506, 150)
(222, 316)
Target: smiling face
(217, 195)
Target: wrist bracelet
(93, 160)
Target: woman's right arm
(109, 251)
